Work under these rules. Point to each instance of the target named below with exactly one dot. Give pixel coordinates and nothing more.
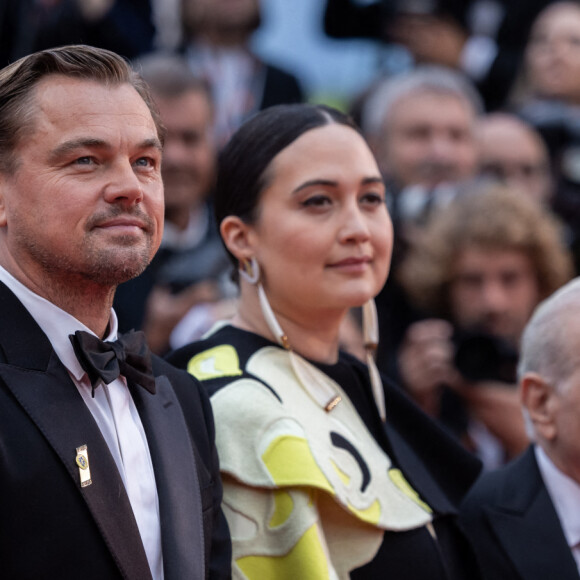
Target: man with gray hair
(524, 519)
(421, 128)
(420, 125)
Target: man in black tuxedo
(524, 519)
(108, 467)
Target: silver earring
(250, 270)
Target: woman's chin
(357, 299)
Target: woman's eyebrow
(331, 183)
(312, 182)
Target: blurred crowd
(478, 142)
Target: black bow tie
(128, 356)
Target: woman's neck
(314, 336)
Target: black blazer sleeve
(199, 418)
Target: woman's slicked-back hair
(243, 163)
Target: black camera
(485, 357)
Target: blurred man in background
(480, 268)
(216, 36)
(511, 151)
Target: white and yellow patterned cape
(307, 494)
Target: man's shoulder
(511, 486)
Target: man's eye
(87, 160)
(145, 162)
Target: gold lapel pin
(82, 460)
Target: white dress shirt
(114, 411)
(565, 495)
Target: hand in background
(165, 309)
(426, 362)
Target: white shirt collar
(55, 322)
(565, 495)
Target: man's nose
(442, 148)
(494, 295)
(124, 185)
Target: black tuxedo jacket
(51, 527)
(513, 526)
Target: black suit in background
(514, 529)
(52, 528)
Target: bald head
(550, 378)
(512, 151)
(552, 336)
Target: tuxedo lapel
(526, 523)
(44, 389)
(177, 481)
(54, 404)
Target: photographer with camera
(478, 270)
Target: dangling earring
(371, 338)
(322, 393)
(250, 270)
(271, 320)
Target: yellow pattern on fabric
(399, 480)
(343, 476)
(306, 561)
(220, 361)
(290, 462)
(371, 515)
(283, 506)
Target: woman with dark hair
(329, 471)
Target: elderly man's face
(86, 200)
(512, 152)
(428, 139)
(565, 407)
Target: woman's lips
(352, 264)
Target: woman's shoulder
(220, 357)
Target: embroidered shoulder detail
(216, 362)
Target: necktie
(128, 356)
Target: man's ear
(238, 237)
(2, 202)
(540, 400)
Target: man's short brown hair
(19, 80)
